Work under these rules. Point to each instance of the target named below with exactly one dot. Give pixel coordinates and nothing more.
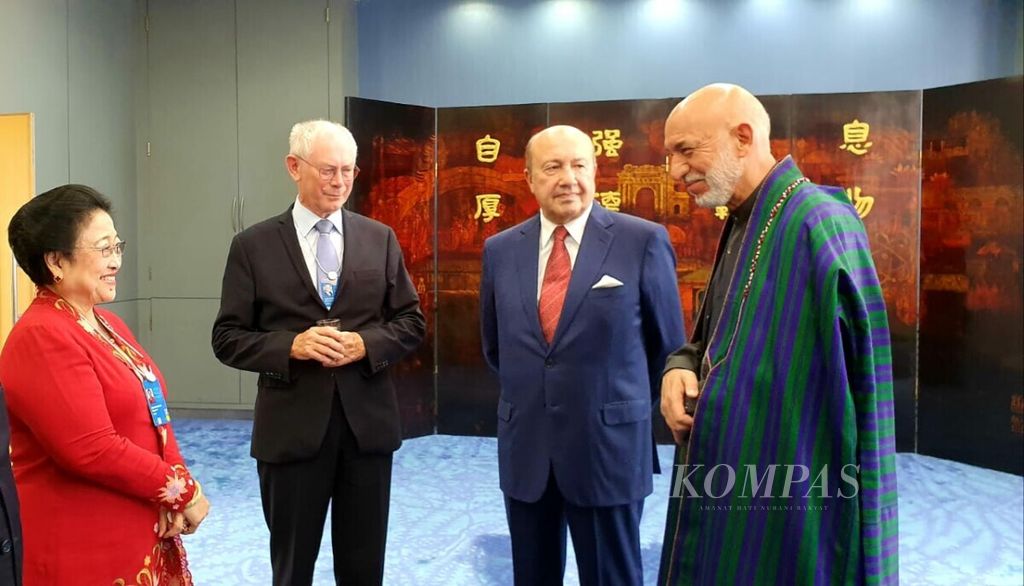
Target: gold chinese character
(610, 200)
(597, 136)
(487, 149)
(487, 206)
(855, 137)
(721, 212)
(1017, 424)
(863, 204)
(607, 142)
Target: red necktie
(556, 283)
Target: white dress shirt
(305, 228)
(575, 229)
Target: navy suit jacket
(582, 406)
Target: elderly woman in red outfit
(104, 490)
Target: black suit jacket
(10, 522)
(268, 298)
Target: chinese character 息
(855, 137)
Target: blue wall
(458, 53)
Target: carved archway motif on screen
(634, 179)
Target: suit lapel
(527, 257)
(291, 245)
(348, 237)
(597, 240)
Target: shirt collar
(742, 213)
(306, 220)
(574, 227)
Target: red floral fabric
(91, 469)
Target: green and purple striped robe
(798, 373)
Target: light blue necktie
(327, 264)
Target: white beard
(721, 178)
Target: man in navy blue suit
(579, 309)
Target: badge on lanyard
(328, 291)
(155, 401)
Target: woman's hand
(195, 514)
(169, 524)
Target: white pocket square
(607, 282)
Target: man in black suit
(10, 521)
(326, 420)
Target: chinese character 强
(607, 142)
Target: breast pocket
(606, 292)
(365, 287)
(367, 274)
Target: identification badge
(147, 373)
(327, 292)
(156, 403)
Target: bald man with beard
(781, 403)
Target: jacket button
(5, 546)
(549, 363)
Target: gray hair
(304, 134)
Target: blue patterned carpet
(959, 525)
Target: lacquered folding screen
(869, 144)
(396, 186)
(480, 191)
(970, 403)
(957, 248)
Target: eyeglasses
(106, 251)
(328, 173)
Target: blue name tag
(327, 292)
(156, 403)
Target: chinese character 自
(487, 149)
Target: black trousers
(295, 500)
(606, 540)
